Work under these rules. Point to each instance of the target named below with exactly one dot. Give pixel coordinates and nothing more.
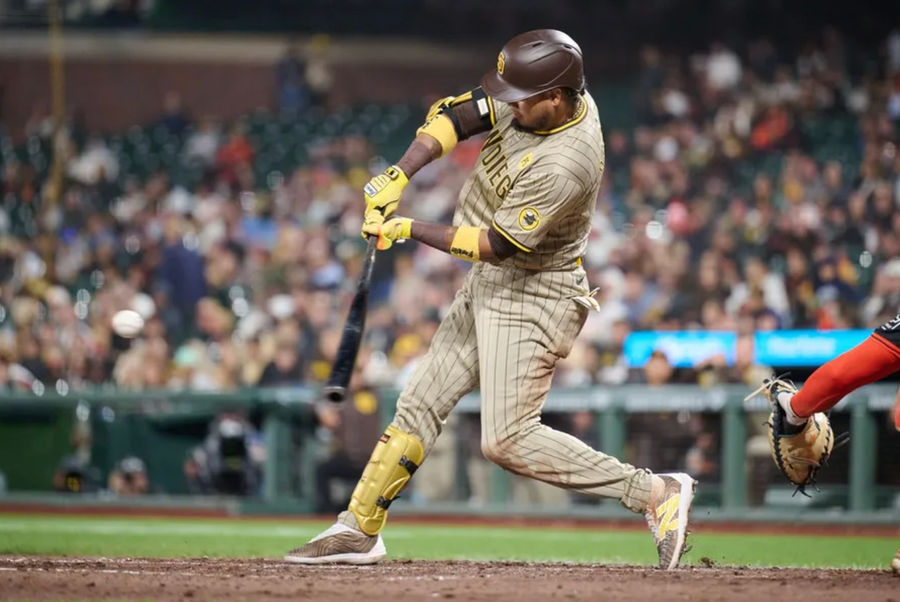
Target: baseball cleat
(339, 544)
(668, 520)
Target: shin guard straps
(396, 457)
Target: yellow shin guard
(396, 457)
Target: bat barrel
(335, 388)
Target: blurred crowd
(719, 211)
(756, 191)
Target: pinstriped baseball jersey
(537, 189)
(511, 323)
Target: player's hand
(398, 228)
(372, 221)
(437, 106)
(383, 191)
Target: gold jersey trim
(509, 237)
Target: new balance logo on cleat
(667, 515)
(668, 519)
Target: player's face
(536, 112)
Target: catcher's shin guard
(396, 457)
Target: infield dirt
(54, 578)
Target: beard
(540, 123)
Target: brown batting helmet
(534, 62)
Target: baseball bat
(336, 388)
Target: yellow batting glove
(398, 228)
(372, 221)
(437, 105)
(383, 191)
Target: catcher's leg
(447, 372)
(873, 359)
(896, 410)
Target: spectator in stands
(129, 477)
(286, 368)
(758, 280)
(352, 428)
(319, 78)
(234, 156)
(229, 461)
(722, 69)
(700, 180)
(701, 459)
(657, 436)
(95, 166)
(181, 267)
(290, 77)
(76, 473)
(201, 145)
(173, 118)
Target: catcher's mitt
(798, 452)
(799, 456)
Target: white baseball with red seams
(127, 323)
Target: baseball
(127, 323)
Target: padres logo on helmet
(534, 62)
(529, 218)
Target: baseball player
(873, 359)
(522, 218)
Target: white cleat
(668, 520)
(339, 544)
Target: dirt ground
(47, 578)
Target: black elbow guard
(472, 113)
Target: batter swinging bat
(336, 388)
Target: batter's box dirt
(45, 578)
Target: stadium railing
(161, 426)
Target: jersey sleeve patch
(534, 204)
(529, 218)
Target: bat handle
(369, 261)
